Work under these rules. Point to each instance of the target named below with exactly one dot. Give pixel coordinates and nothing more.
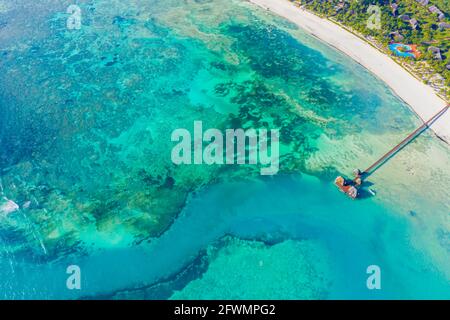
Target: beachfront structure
(394, 8)
(396, 36)
(423, 2)
(414, 23)
(405, 17)
(434, 9)
(436, 53)
(340, 6)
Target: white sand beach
(420, 97)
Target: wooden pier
(351, 187)
(402, 144)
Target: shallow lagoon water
(88, 147)
(333, 240)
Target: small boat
(346, 187)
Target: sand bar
(421, 98)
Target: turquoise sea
(86, 176)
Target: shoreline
(420, 97)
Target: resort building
(405, 17)
(423, 2)
(396, 36)
(340, 6)
(436, 53)
(394, 7)
(414, 23)
(434, 9)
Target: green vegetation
(428, 33)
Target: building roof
(396, 35)
(423, 2)
(405, 17)
(433, 8)
(436, 52)
(434, 49)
